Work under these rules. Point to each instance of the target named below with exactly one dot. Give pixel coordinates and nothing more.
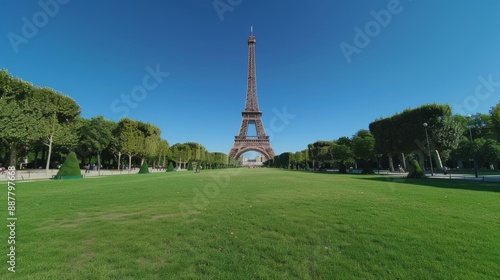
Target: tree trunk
(404, 160)
(119, 161)
(98, 164)
(13, 155)
(51, 139)
(391, 163)
(129, 163)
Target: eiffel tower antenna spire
(251, 115)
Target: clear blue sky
(97, 51)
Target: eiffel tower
(252, 115)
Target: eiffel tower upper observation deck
(252, 116)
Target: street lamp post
(473, 152)
(428, 148)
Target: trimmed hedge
(170, 167)
(70, 168)
(144, 168)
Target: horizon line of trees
(400, 138)
(43, 126)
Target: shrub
(70, 167)
(170, 167)
(415, 170)
(144, 168)
(190, 166)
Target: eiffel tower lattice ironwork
(252, 116)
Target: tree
(149, 140)
(464, 149)
(218, 160)
(181, 153)
(284, 160)
(115, 146)
(481, 125)
(19, 115)
(59, 113)
(30, 115)
(488, 151)
(97, 135)
(164, 152)
(298, 159)
(129, 139)
(409, 136)
(495, 120)
(363, 148)
(446, 134)
(319, 151)
(197, 152)
(341, 152)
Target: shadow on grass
(440, 183)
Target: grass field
(255, 224)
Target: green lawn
(255, 224)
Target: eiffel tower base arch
(261, 146)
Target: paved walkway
(469, 177)
(24, 175)
(31, 174)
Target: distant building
(260, 158)
(256, 162)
